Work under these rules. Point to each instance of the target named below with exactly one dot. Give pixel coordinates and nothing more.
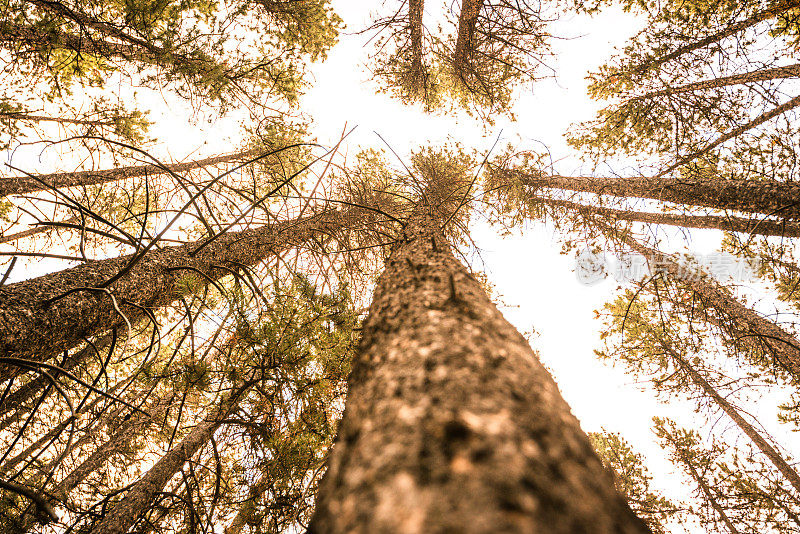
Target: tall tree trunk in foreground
(763, 445)
(35, 327)
(707, 222)
(465, 38)
(451, 423)
(418, 75)
(751, 326)
(22, 184)
(781, 199)
(701, 483)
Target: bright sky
(533, 279)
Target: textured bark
(710, 222)
(702, 484)
(749, 324)
(764, 197)
(18, 115)
(761, 75)
(771, 12)
(418, 75)
(465, 38)
(763, 445)
(31, 329)
(23, 184)
(736, 132)
(451, 423)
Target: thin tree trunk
(18, 115)
(761, 75)
(451, 423)
(763, 445)
(702, 484)
(136, 425)
(757, 121)
(47, 315)
(766, 197)
(465, 38)
(138, 498)
(709, 222)
(771, 12)
(784, 346)
(418, 75)
(22, 184)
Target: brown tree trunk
(751, 325)
(709, 222)
(763, 445)
(761, 75)
(776, 9)
(702, 484)
(23, 184)
(465, 38)
(418, 75)
(35, 326)
(766, 197)
(451, 423)
(757, 121)
(138, 498)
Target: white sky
(536, 282)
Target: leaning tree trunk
(465, 38)
(763, 445)
(760, 75)
(766, 197)
(139, 497)
(771, 12)
(706, 222)
(24, 185)
(702, 484)
(44, 316)
(750, 325)
(451, 423)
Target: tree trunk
(451, 423)
(138, 498)
(47, 315)
(763, 445)
(751, 325)
(708, 222)
(702, 484)
(764, 197)
(465, 38)
(761, 75)
(23, 185)
(776, 9)
(418, 75)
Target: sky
(537, 286)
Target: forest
(219, 317)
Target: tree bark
(761, 75)
(34, 326)
(764, 197)
(451, 423)
(465, 38)
(763, 445)
(707, 222)
(22, 184)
